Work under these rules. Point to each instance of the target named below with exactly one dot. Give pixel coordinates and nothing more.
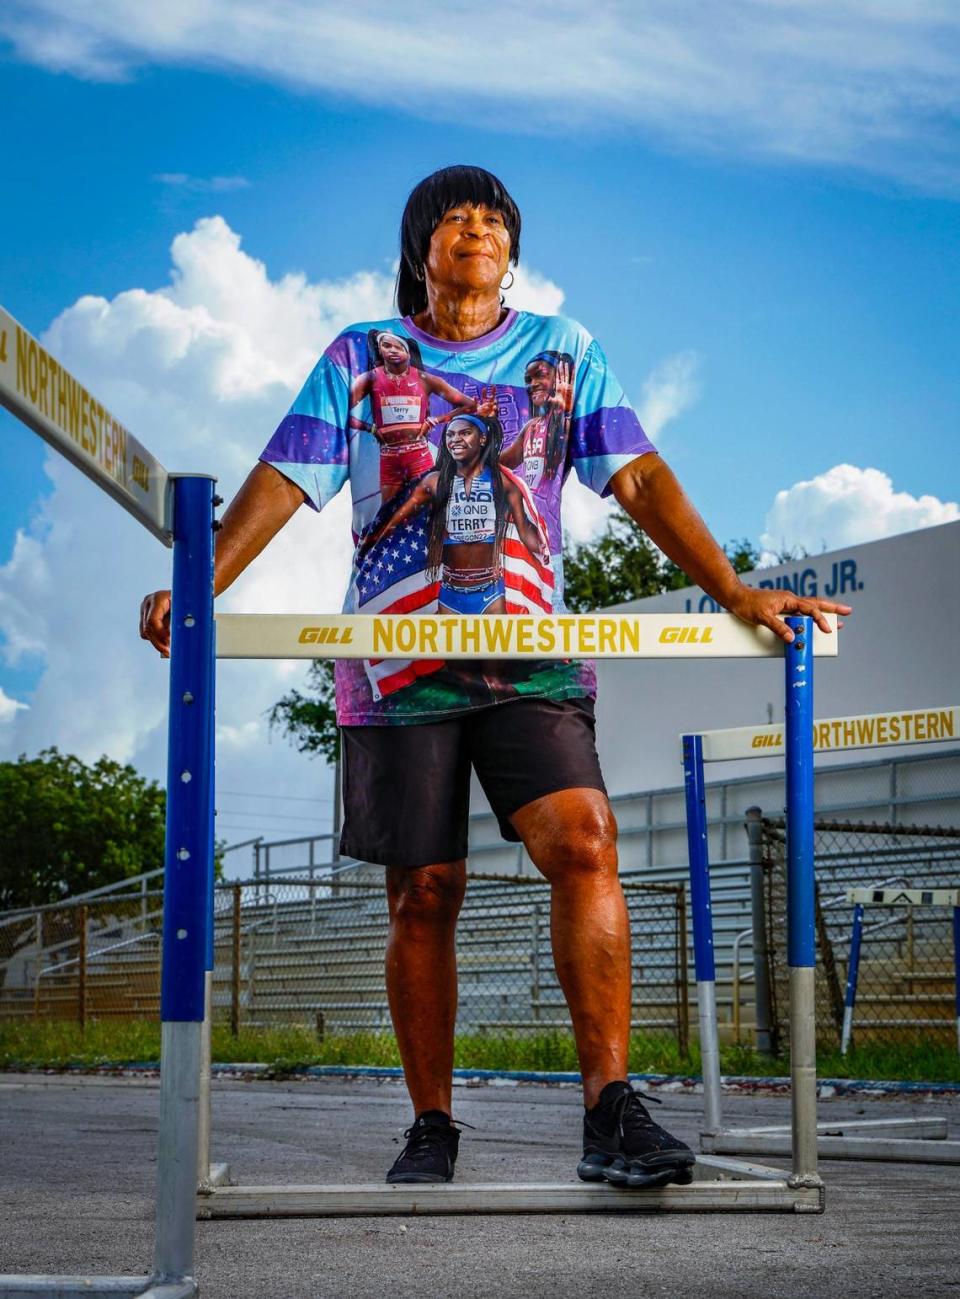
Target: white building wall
(899, 649)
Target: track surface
(78, 1166)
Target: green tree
(66, 827)
(623, 564)
(310, 720)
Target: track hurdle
(720, 1184)
(178, 509)
(906, 1140)
(894, 897)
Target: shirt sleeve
(606, 433)
(310, 446)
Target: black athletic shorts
(406, 789)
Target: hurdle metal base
(217, 1175)
(720, 1186)
(82, 1287)
(911, 1141)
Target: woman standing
(540, 447)
(472, 499)
(399, 393)
(528, 734)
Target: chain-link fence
(83, 960)
(311, 953)
(906, 985)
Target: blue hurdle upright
(902, 1140)
(899, 894)
(178, 511)
(801, 931)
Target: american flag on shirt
(390, 580)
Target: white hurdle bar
(510, 636)
(892, 1140)
(720, 1184)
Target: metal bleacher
(305, 950)
(309, 951)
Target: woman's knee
(426, 894)
(581, 839)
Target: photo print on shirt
(456, 455)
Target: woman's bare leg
(571, 837)
(421, 970)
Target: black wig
(426, 206)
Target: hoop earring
(504, 284)
(419, 272)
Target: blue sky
(761, 229)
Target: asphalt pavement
(78, 1166)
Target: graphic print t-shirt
(485, 390)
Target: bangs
(437, 194)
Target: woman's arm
(649, 491)
(438, 387)
(421, 494)
(360, 388)
(529, 534)
(461, 403)
(265, 502)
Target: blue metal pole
(801, 929)
(188, 865)
(699, 855)
(189, 842)
(853, 974)
(211, 812)
(206, 1055)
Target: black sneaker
(430, 1152)
(623, 1145)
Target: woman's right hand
(155, 621)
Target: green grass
(55, 1045)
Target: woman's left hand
(765, 609)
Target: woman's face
(469, 251)
(393, 352)
(539, 378)
(464, 441)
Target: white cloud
(26, 597)
(844, 507)
(868, 84)
(670, 388)
(583, 512)
(202, 184)
(531, 291)
(668, 391)
(9, 707)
